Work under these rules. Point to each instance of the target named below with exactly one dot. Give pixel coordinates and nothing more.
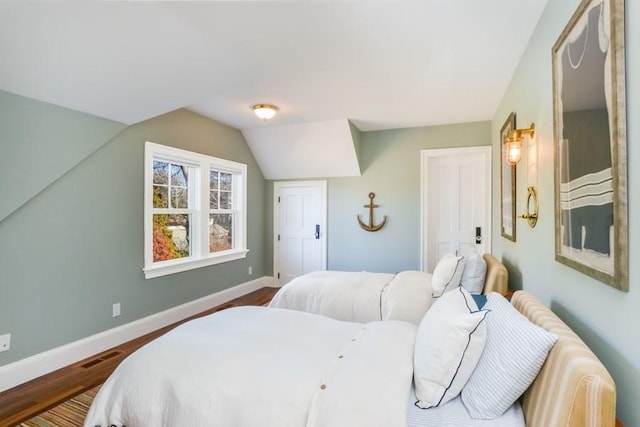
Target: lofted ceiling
(378, 64)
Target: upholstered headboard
(497, 277)
(573, 388)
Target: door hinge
(278, 199)
(278, 237)
(278, 275)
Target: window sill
(171, 267)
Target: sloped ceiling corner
(310, 150)
(40, 142)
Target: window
(194, 210)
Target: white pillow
(447, 274)
(449, 342)
(514, 354)
(475, 270)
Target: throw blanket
(359, 296)
(257, 366)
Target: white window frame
(200, 165)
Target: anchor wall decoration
(371, 226)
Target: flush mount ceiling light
(265, 111)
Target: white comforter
(258, 366)
(359, 296)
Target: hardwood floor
(29, 399)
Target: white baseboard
(40, 364)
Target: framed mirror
(507, 184)
(591, 222)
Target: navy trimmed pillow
(449, 342)
(447, 274)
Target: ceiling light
(265, 111)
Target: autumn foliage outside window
(170, 199)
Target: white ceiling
(380, 64)
(307, 150)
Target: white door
(299, 229)
(456, 203)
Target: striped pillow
(513, 355)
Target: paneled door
(300, 235)
(456, 203)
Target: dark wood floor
(29, 399)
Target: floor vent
(91, 363)
(110, 355)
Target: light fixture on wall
(265, 111)
(513, 144)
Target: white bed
(367, 297)
(258, 366)
(358, 296)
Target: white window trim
(200, 256)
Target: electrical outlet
(115, 310)
(5, 342)
(250, 270)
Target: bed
(407, 295)
(261, 366)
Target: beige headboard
(497, 277)
(573, 388)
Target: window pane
(185, 234)
(171, 237)
(160, 196)
(213, 180)
(220, 232)
(179, 175)
(225, 181)
(213, 199)
(160, 172)
(225, 200)
(179, 198)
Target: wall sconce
(513, 144)
(265, 111)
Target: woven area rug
(68, 414)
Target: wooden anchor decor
(371, 226)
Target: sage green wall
(77, 247)
(390, 164)
(39, 142)
(604, 317)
